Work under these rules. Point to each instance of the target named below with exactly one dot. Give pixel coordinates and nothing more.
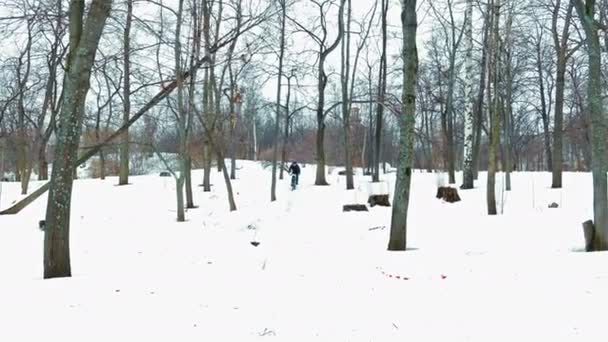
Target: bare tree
(346, 105)
(85, 34)
(381, 94)
(325, 50)
(494, 103)
(562, 53)
(453, 38)
(469, 134)
(407, 121)
(123, 176)
(586, 12)
(275, 151)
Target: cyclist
(294, 171)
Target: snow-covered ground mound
(318, 274)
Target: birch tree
(469, 134)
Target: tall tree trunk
(450, 148)
(50, 97)
(586, 13)
(86, 38)
(43, 165)
(231, 202)
(478, 109)
(381, 95)
(370, 120)
(407, 121)
(182, 117)
(194, 56)
(275, 148)
(467, 179)
(286, 128)
(544, 112)
(232, 133)
(562, 59)
(508, 106)
(346, 104)
(123, 175)
(207, 95)
(207, 152)
(321, 85)
(494, 111)
(189, 195)
(23, 148)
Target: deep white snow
(318, 274)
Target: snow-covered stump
(354, 207)
(448, 194)
(378, 194)
(589, 231)
(381, 200)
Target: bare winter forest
(383, 91)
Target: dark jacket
(294, 168)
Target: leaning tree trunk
(586, 13)
(231, 201)
(77, 82)
(123, 175)
(407, 122)
(468, 176)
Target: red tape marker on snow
(399, 277)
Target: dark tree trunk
(381, 96)
(586, 13)
(275, 149)
(123, 175)
(562, 59)
(480, 96)
(407, 122)
(189, 196)
(86, 38)
(346, 104)
(494, 112)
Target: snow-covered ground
(318, 274)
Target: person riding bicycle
(294, 170)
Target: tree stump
(381, 200)
(589, 231)
(448, 194)
(553, 205)
(354, 207)
(165, 174)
